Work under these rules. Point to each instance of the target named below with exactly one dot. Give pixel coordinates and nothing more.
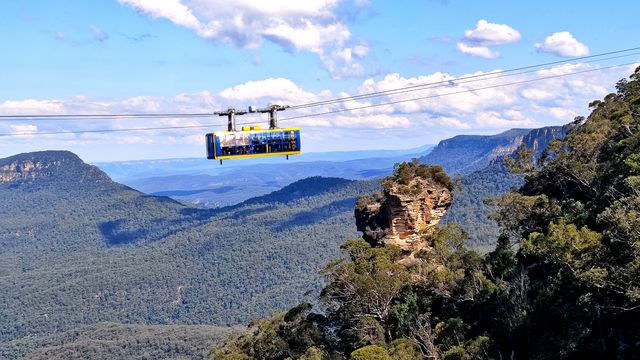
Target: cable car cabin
(253, 142)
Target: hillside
(464, 154)
(563, 281)
(469, 208)
(120, 341)
(75, 252)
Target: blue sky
(136, 56)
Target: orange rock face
(404, 213)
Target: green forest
(563, 281)
(93, 252)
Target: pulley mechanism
(272, 110)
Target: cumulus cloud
(357, 120)
(32, 106)
(447, 106)
(481, 51)
(275, 89)
(450, 122)
(535, 93)
(563, 44)
(173, 10)
(294, 25)
(476, 41)
(22, 128)
(563, 114)
(487, 33)
(506, 119)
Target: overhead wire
(476, 77)
(399, 90)
(451, 93)
(314, 114)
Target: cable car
(253, 141)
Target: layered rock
(48, 165)
(403, 213)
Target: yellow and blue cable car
(253, 142)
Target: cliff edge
(412, 203)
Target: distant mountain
(228, 184)
(43, 166)
(464, 154)
(469, 208)
(77, 249)
(126, 171)
(539, 139)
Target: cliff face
(465, 154)
(48, 165)
(403, 213)
(539, 139)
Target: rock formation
(48, 165)
(403, 213)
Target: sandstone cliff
(48, 165)
(407, 209)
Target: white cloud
(449, 106)
(536, 94)
(487, 33)
(22, 128)
(308, 36)
(477, 40)
(562, 114)
(358, 120)
(361, 50)
(341, 63)
(507, 119)
(481, 51)
(31, 107)
(451, 122)
(172, 10)
(295, 25)
(277, 89)
(563, 44)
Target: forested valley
(78, 249)
(563, 281)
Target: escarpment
(46, 166)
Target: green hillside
(79, 249)
(119, 341)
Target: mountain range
(77, 248)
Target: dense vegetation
(570, 290)
(404, 172)
(77, 253)
(471, 208)
(119, 341)
(477, 163)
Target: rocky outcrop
(539, 139)
(464, 154)
(48, 165)
(403, 213)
